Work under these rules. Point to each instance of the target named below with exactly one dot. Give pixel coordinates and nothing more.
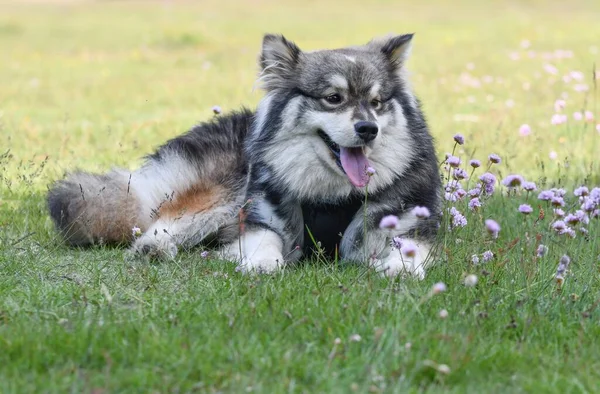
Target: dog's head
(341, 111)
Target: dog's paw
(154, 248)
(397, 265)
(261, 263)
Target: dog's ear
(278, 60)
(396, 49)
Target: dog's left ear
(396, 49)
(278, 60)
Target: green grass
(91, 85)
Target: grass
(91, 85)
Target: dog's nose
(367, 131)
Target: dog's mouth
(351, 160)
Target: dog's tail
(95, 208)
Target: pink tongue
(355, 164)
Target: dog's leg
(375, 247)
(270, 237)
(168, 233)
(257, 250)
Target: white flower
(439, 287)
(443, 368)
(471, 280)
(443, 314)
(355, 338)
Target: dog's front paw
(261, 263)
(412, 264)
(395, 264)
(154, 247)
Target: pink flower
(553, 155)
(598, 127)
(524, 130)
(589, 116)
(389, 222)
(581, 87)
(576, 75)
(550, 69)
(216, 109)
(492, 227)
(421, 212)
(577, 116)
(559, 105)
(558, 119)
(408, 249)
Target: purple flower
(475, 192)
(475, 259)
(459, 174)
(571, 219)
(541, 250)
(582, 216)
(559, 212)
(489, 182)
(568, 232)
(421, 212)
(581, 191)
(494, 158)
(529, 186)
(459, 139)
(216, 109)
(204, 254)
(558, 201)
(588, 204)
(136, 231)
(458, 219)
(596, 213)
(559, 225)
(487, 256)
(389, 222)
(563, 265)
(460, 193)
(525, 209)
(370, 171)
(397, 242)
(546, 195)
(408, 249)
(474, 204)
(450, 196)
(453, 161)
(513, 181)
(475, 163)
(492, 227)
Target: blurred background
(91, 84)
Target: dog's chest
(327, 223)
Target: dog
(338, 142)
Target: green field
(94, 84)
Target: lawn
(94, 84)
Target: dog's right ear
(278, 61)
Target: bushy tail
(93, 209)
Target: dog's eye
(333, 98)
(376, 103)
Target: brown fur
(101, 209)
(194, 200)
